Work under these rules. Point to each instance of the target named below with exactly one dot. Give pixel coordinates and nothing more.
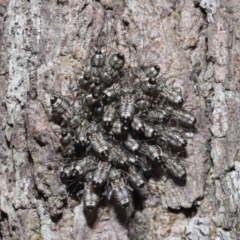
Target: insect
(90, 100)
(84, 80)
(151, 71)
(149, 131)
(158, 116)
(135, 177)
(118, 156)
(131, 144)
(99, 145)
(90, 197)
(66, 171)
(117, 61)
(173, 166)
(173, 137)
(119, 189)
(66, 138)
(96, 88)
(109, 116)
(81, 136)
(59, 105)
(149, 85)
(127, 108)
(137, 125)
(67, 143)
(101, 173)
(97, 110)
(143, 101)
(153, 152)
(83, 166)
(171, 95)
(63, 112)
(98, 59)
(181, 116)
(111, 93)
(117, 127)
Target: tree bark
(45, 44)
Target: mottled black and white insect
(100, 146)
(119, 189)
(100, 175)
(117, 61)
(90, 196)
(135, 177)
(81, 167)
(181, 116)
(173, 166)
(170, 94)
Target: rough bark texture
(44, 44)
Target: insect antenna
(74, 185)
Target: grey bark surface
(44, 45)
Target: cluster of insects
(122, 124)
